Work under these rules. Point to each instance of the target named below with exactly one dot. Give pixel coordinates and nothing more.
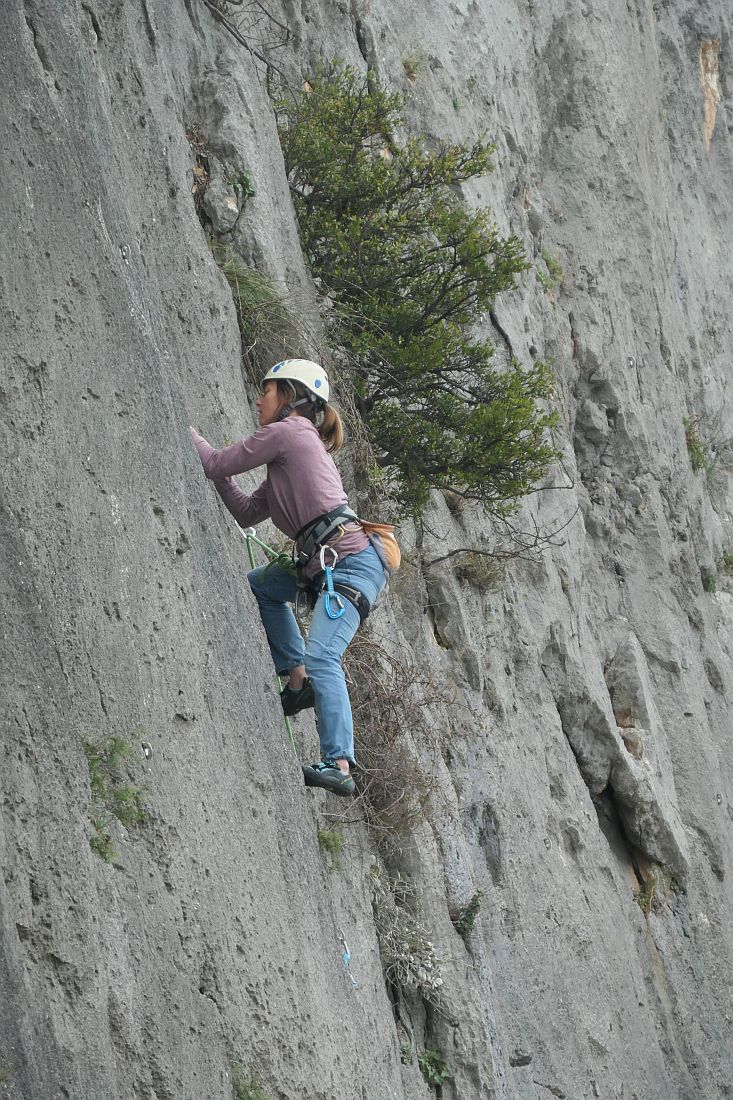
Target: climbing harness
(318, 530)
(328, 581)
(346, 959)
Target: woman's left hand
(203, 447)
(197, 439)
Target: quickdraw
(331, 593)
(346, 959)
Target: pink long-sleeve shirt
(302, 481)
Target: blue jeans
(274, 588)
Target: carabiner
(331, 594)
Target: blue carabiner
(331, 594)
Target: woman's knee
(254, 578)
(318, 660)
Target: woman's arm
(259, 449)
(247, 510)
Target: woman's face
(268, 404)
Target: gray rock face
(575, 744)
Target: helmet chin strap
(287, 409)
(318, 404)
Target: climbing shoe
(302, 699)
(328, 775)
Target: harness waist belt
(319, 529)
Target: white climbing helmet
(311, 376)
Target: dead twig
(220, 9)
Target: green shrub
(332, 841)
(414, 64)
(112, 798)
(709, 580)
(650, 894)
(245, 1089)
(409, 272)
(482, 570)
(702, 454)
(242, 186)
(554, 275)
(465, 918)
(433, 1067)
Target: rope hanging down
(249, 535)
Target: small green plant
(482, 571)
(406, 1054)
(702, 454)
(332, 841)
(408, 272)
(650, 894)
(245, 1088)
(6, 1071)
(709, 580)
(112, 798)
(553, 276)
(726, 562)
(433, 1067)
(242, 186)
(414, 64)
(465, 918)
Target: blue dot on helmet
(317, 383)
(276, 368)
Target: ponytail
(331, 430)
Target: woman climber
(304, 496)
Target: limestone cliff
(573, 733)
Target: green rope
(249, 538)
(272, 554)
(250, 551)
